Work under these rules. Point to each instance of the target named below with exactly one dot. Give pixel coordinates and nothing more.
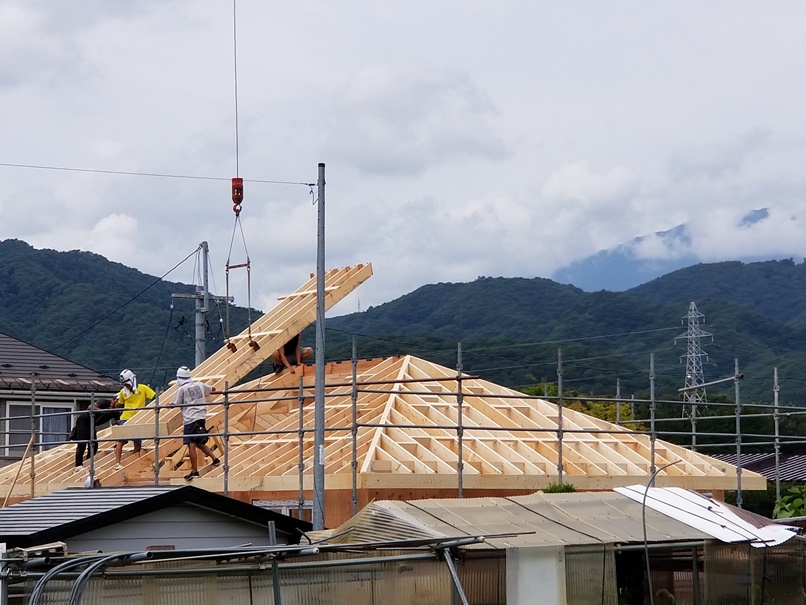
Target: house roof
(539, 519)
(792, 467)
(60, 515)
(406, 436)
(21, 363)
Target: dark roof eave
(181, 495)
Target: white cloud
(393, 120)
(461, 139)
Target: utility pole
(693, 392)
(319, 357)
(203, 298)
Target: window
(53, 423)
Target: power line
(132, 299)
(148, 174)
(235, 73)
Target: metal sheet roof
(722, 521)
(69, 512)
(522, 521)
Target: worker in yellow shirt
(132, 397)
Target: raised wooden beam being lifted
(227, 366)
(294, 313)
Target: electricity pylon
(694, 393)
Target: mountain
(509, 330)
(643, 259)
(99, 313)
(625, 267)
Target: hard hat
(183, 373)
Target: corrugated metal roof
(20, 360)
(720, 520)
(792, 466)
(68, 512)
(522, 521)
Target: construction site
(396, 428)
(421, 483)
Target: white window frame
(16, 450)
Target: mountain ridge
(108, 316)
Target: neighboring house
(53, 386)
(125, 519)
(791, 467)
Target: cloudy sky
(461, 138)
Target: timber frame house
(395, 428)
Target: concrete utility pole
(203, 298)
(693, 390)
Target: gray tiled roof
(21, 362)
(792, 466)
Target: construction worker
(191, 396)
(290, 355)
(131, 397)
(85, 431)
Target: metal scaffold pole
(736, 379)
(777, 421)
(319, 393)
(560, 416)
(460, 465)
(652, 434)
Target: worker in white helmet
(131, 397)
(191, 395)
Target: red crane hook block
(237, 194)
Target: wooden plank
(139, 431)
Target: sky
(461, 139)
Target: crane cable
(237, 199)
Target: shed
(596, 547)
(142, 518)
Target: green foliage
(791, 504)
(101, 314)
(560, 488)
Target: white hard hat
(183, 373)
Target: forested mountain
(108, 316)
(511, 329)
(99, 313)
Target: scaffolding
(268, 419)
